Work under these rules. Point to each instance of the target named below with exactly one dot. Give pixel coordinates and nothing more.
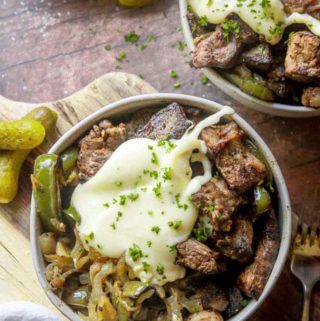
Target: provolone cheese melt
(138, 204)
(265, 17)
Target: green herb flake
(154, 159)
(155, 229)
(106, 205)
(244, 302)
(160, 269)
(107, 47)
(146, 266)
(167, 174)
(113, 226)
(99, 246)
(143, 47)
(182, 45)
(150, 37)
(119, 215)
(121, 56)
(230, 27)
(175, 224)
(123, 199)
(131, 37)
(91, 236)
(157, 190)
(149, 243)
(172, 248)
(118, 183)
(201, 233)
(173, 74)
(204, 80)
(203, 21)
(211, 207)
(176, 85)
(133, 197)
(135, 252)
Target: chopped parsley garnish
(160, 269)
(143, 189)
(150, 147)
(201, 233)
(99, 247)
(172, 248)
(91, 236)
(203, 21)
(211, 207)
(119, 215)
(123, 199)
(157, 190)
(155, 229)
(150, 213)
(153, 174)
(260, 49)
(131, 37)
(184, 206)
(143, 47)
(230, 27)
(216, 175)
(133, 197)
(181, 45)
(150, 37)
(146, 266)
(106, 205)
(113, 226)
(173, 73)
(167, 174)
(118, 183)
(107, 47)
(209, 3)
(154, 159)
(175, 224)
(176, 85)
(204, 80)
(167, 144)
(121, 56)
(135, 252)
(149, 243)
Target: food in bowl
(269, 49)
(168, 214)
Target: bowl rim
(138, 102)
(236, 93)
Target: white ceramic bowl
(151, 100)
(230, 89)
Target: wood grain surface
(50, 49)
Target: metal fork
(305, 261)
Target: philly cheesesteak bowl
(159, 207)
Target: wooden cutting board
(18, 280)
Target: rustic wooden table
(50, 49)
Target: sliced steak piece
(237, 244)
(214, 50)
(311, 7)
(168, 123)
(258, 57)
(97, 147)
(247, 36)
(138, 120)
(218, 202)
(212, 297)
(236, 301)
(302, 61)
(197, 256)
(311, 97)
(218, 136)
(239, 167)
(255, 276)
(205, 316)
(277, 81)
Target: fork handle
(306, 303)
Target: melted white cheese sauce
(265, 17)
(138, 203)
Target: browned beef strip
(218, 50)
(218, 136)
(236, 300)
(138, 120)
(168, 123)
(196, 29)
(197, 256)
(302, 61)
(236, 244)
(303, 6)
(239, 167)
(212, 297)
(213, 50)
(311, 97)
(218, 202)
(205, 316)
(277, 81)
(258, 57)
(255, 276)
(97, 147)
